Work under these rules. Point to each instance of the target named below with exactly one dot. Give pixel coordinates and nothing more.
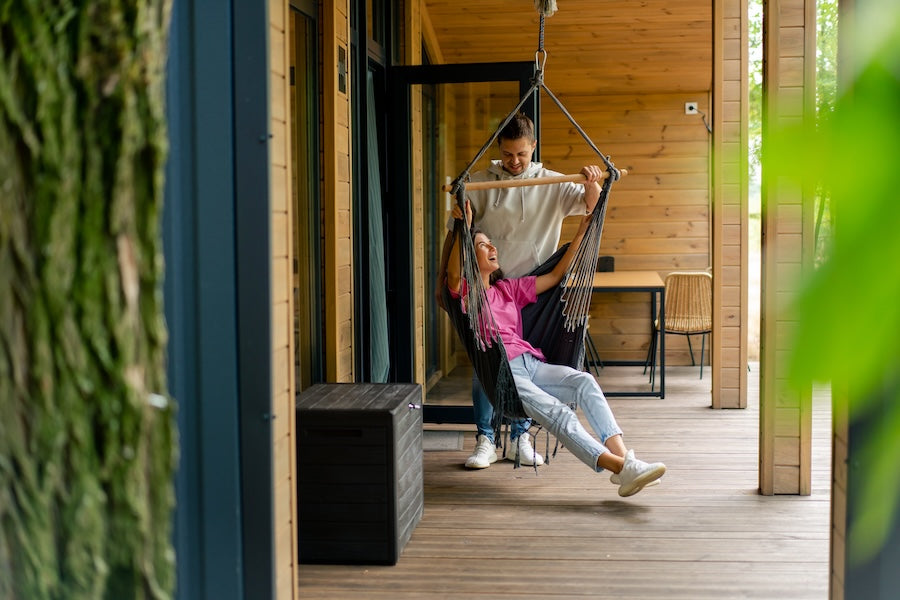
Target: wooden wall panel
(789, 90)
(336, 197)
(284, 468)
(412, 55)
(730, 223)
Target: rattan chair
(688, 312)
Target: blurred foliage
(849, 310)
(826, 92)
(754, 25)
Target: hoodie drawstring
(522, 198)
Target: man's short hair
(520, 126)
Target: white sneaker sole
(641, 482)
(524, 461)
(472, 464)
(614, 479)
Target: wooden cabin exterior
(344, 159)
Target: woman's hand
(583, 226)
(454, 270)
(456, 212)
(548, 280)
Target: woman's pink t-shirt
(506, 299)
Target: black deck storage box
(359, 471)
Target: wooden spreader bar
(511, 183)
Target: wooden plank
(336, 189)
(282, 365)
(662, 263)
(284, 517)
(683, 248)
(615, 229)
(280, 235)
(558, 143)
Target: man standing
(524, 224)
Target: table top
(628, 280)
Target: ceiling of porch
(593, 46)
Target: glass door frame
(308, 352)
(399, 210)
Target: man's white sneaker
(485, 453)
(636, 474)
(527, 455)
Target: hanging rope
(578, 280)
(565, 312)
(545, 8)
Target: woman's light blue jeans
(546, 390)
(484, 412)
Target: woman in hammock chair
(540, 384)
(525, 223)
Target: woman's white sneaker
(485, 453)
(636, 474)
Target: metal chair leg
(592, 357)
(691, 350)
(596, 354)
(651, 358)
(650, 351)
(702, 347)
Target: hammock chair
(557, 322)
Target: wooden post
(789, 92)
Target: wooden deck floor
(703, 533)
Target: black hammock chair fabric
(542, 326)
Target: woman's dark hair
(496, 275)
(520, 126)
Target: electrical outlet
(690, 108)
